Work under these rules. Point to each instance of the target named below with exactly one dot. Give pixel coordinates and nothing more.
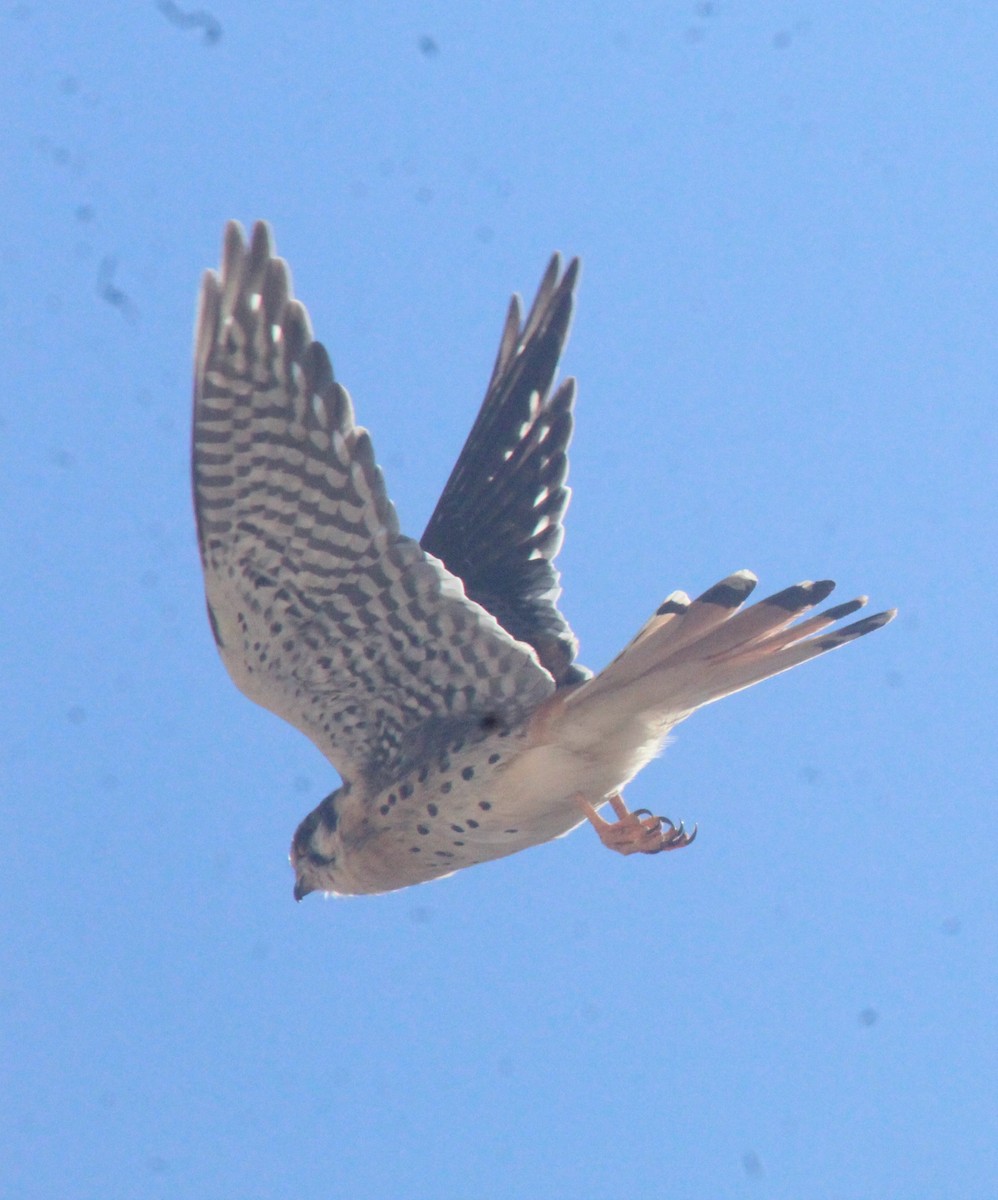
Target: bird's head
(315, 848)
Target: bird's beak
(302, 889)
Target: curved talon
(652, 819)
(638, 832)
(680, 837)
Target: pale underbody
(544, 775)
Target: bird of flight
(438, 676)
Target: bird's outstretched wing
(323, 612)
(498, 522)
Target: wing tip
(573, 269)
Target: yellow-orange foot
(637, 832)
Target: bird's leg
(637, 832)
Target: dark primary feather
(498, 523)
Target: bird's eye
(320, 860)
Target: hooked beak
(302, 889)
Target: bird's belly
(509, 801)
(555, 774)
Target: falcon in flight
(438, 676)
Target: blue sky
(786, 358)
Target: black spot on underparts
(432, 809)
(472, 824)
(468, 773)
(458, 828)
(423, 773)
(423, 829)
(276, 628)
(511, 831)
(489, 722)
(457, 843)
(392, 798)
(493, 759)
(384, 810)
(414, 849)
(446, 787)
(484, 805)
(405, 791)
(443, 853)
(457, 747)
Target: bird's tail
(693, 652)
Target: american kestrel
(438, 676)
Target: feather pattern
(692, 653)
(323, 611)
(498, 523)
